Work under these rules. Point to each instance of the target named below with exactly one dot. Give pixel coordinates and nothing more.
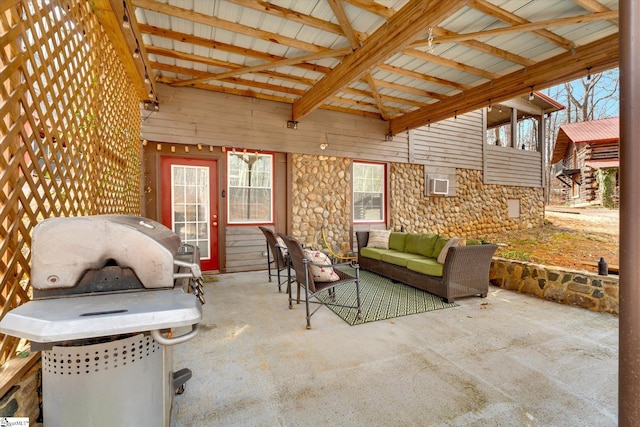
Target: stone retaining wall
(23, 399)
(578, 288)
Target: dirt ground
(571, 237)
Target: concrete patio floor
(507, 360)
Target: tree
(589, 98)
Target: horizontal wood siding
(194, 116)
(605, 151)
(510, 166)
(245, 248)
(451, 143)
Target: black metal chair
(313, 288)
(276, 255)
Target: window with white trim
(369, 183)
(250, 185)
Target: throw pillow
(454, 241)
(283, 247)
(323, 271)
(379, 239)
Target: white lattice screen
(70, 130)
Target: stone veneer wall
(321, 197)
(476, 209)
(578, 288)
(23, 399)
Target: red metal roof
(594, 131)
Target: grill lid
(65, 319)
(63, 249)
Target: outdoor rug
(381, 298)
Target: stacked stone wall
(321, 198)
(578, 288)
(476, 209)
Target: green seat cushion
(397, 241)
(399, 258)
(473, 242)
(437, 248)
(420, 243)
(373, 253)
(426, 266)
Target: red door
(189, 205)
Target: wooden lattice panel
(69, 128)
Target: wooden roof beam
(111, 13)
(411, 22)
(598, 56)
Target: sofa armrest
(362, 237)
(466, 269)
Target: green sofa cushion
(426, 266)
(397, 241)
(437, 248)
(473, 242)
(373, 253)
(399, 258)
(420, 243)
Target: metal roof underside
(409, 62)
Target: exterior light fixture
(136, 53)
(588, 76)
(388, 137)
(490, 107)
(125, 21)
(324, 146)
(292, 124)
(531, 96)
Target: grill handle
(161, 339)
(194, 267)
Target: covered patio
(507, 360)
(88, 85)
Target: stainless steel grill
(108, 291)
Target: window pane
(250, 189)
(368, 192)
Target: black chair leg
(269, 261)
(306, 301)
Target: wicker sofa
(412, 259)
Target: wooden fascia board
(598, 56)
(410, 23)
(110, 14)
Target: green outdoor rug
(381, 298)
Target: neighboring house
(586, 161)
(217, 165)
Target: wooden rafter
(598, 56)
(269, 65)
(401, 29)
(510, 18)
(530, 27)
(212, 21)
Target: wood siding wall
(451, 143)
(194, 116)
(511, 166)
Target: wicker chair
(276, 257)
(313, 288)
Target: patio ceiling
(409, 62)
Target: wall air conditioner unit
(440, 186)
